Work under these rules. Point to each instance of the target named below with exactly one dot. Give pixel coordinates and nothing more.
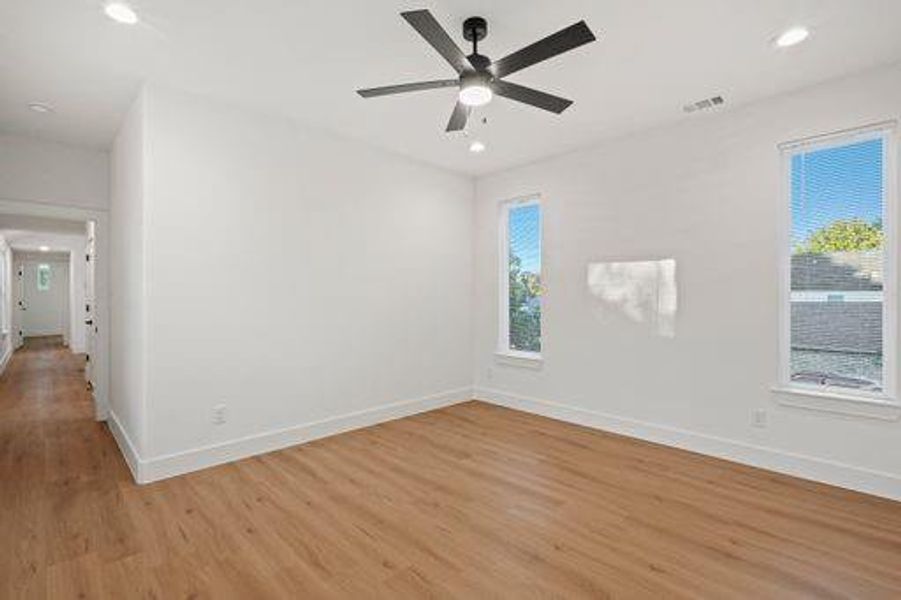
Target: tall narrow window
(840, 306)
(43, 278)
(520, 274)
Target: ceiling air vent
(705, 104)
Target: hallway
(60, 472)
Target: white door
(46, 298)
(90, 327)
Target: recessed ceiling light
(477, 147)
(40, 107)
(44, 248)
(792, 37)
(121, 13)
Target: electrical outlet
(219, 414)
(758, 418)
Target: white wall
(127, 285)
(42, 171)
(46, 310)
(294, 276)
(707, 193)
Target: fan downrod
(474, 30)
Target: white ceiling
(28, 234)
(42, 224)
(30, 241)
(305, 59)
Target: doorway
(52, 295)
(45, 296)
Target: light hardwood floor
(471, 501)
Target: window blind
(524, 275)
(837, 265)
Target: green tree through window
(524, 273)
(844, 235)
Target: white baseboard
(805, 467)
(4, 361)
(132, 458)
(170, 465)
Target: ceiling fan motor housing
(479, 62)
(477, 78)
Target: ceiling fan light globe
(475, 95)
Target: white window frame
(5, 287)
(832, 396)
(504, 351)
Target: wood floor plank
(470, 501)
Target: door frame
(87, 319)
(100, 217)
(17, 317)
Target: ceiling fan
(478, 77)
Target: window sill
(839, 401)
(527, 360)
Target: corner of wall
(128, 412)
(126, 447)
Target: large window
(838, 331)
(520, 275)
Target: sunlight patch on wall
(643, 291)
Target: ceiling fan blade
(554, 44)
(408, 87)
(520, 93)
(459, 117)
(423, 22)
